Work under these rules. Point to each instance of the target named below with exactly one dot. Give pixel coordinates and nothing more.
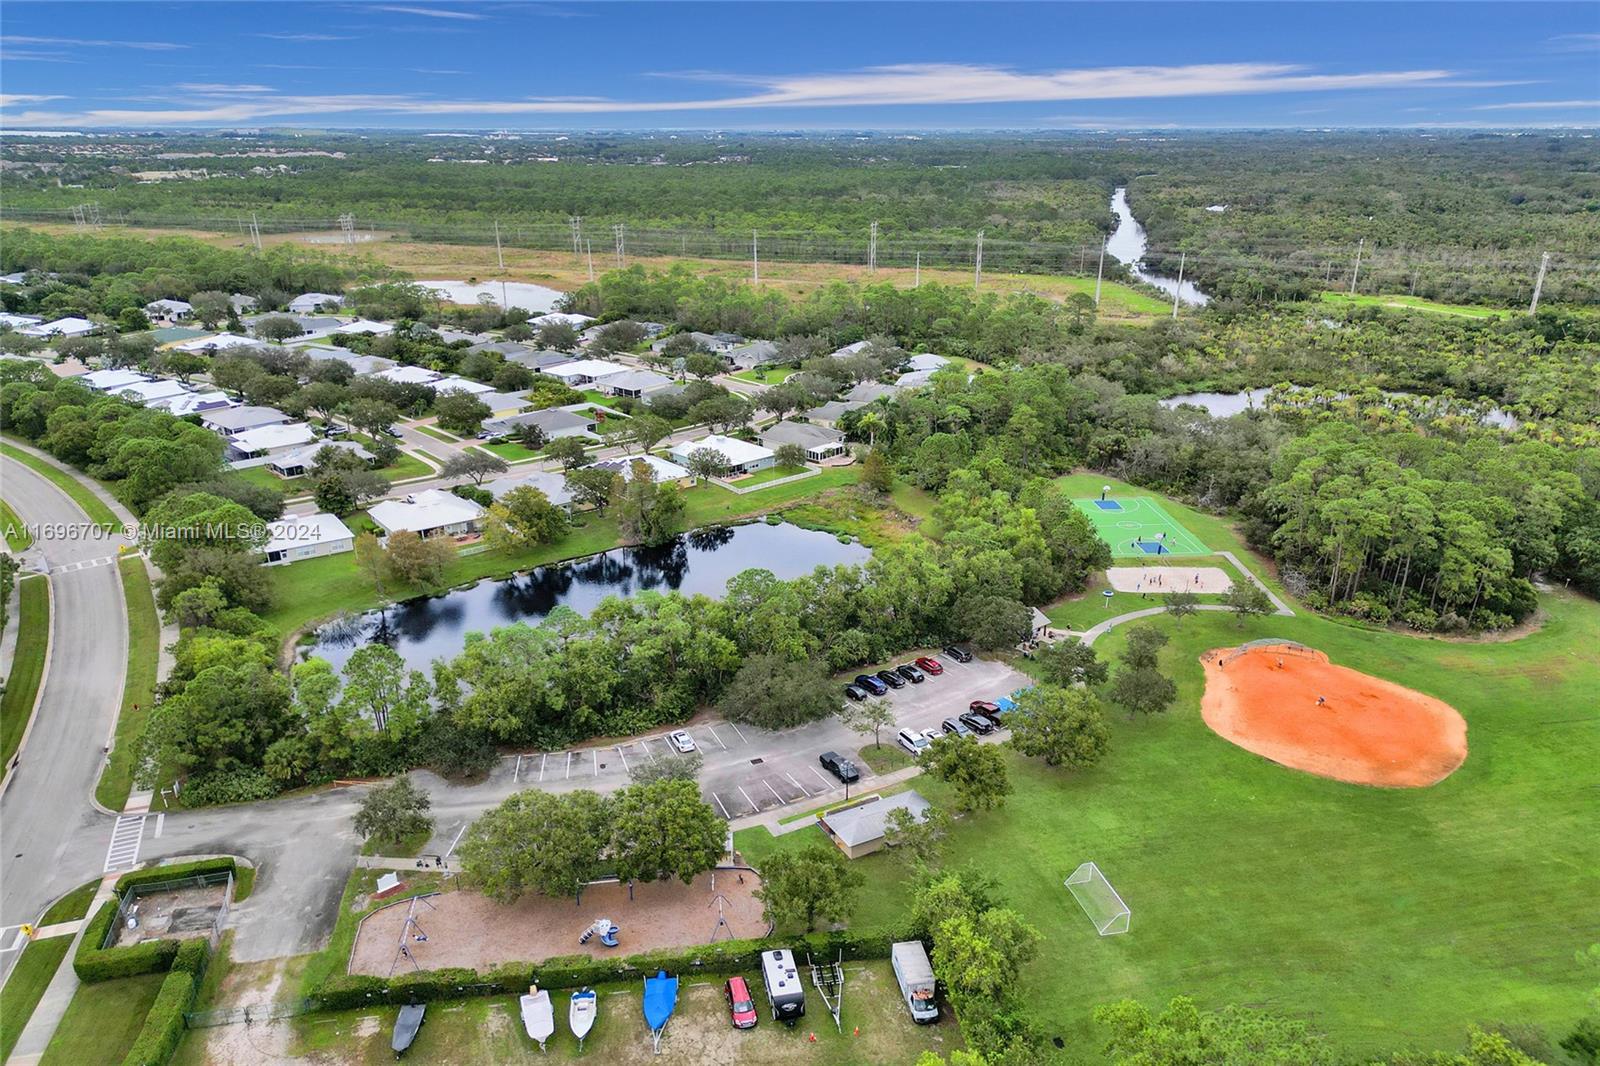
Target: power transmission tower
(255, 230)
(1538, 283)
(755, 258)
(977, 263)
(1177, 292)
(1100, 272)
(1356, 273)
(621, 244)
(498, 254)
(347, 223)
(77, 216)
(93, 209)
(872, 250)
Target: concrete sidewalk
(58, 993)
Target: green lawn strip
(138, 691)
(856, 794)
(918, 503)
(25, 987)
(27, 664)
(102, 1021)
(437, 434)
(404, 848)
(72, 906)
(92, 505)
(710, 504)
(1414, 303)
(407, 466)
(17, 536)
(1116, 296)
(261, 477)
(244, 882)
(771, 473)
(510, 451)
(434, 459)
(887, 757)
(1410, 923)
(771, 375)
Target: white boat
(537, 1016)
(581, 1015)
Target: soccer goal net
(1099, 900)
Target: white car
(681, 741)
(914, 741)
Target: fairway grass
(139, 684)
(1414, 303)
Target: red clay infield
(1368, 731)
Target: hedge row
(164, 1025)
(343, 992)
(177, 871)
(93, 963)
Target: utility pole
(1177, 292)
(590, 245)
(977, 264)
(872, 250)
(1356, 273)
(255, 229)
(1538, 283)
(755, 258)
(498, 254)
(1100, 271)
(621, 244)
(918, 283)
(577, 234)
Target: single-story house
(501, 404)
(749, 356)
(364, 326)
(868, 391)
(537, 360)
(450, 336)
(429, 513)
(502, 348)
(830, 413)
(302, 461)
(849, 349)
(217, 343)
(742, 456)
(361, 364)
(858, 830)
(17, 278)
(242, 303)
(18, 321)
(306, 536)
(661, 470)
(245, 417)
(193, 403)
(916, 379)
(820, 442)
(112, 380)
(573, 320)
(308, 302)
(711, 342)
(926, 361)
(61, 327)
(582, 372)
(634, 383)
(552, 484)
(169, 310)
(146, 393)
(409, 375)
(445, 386)
(555, 422)
(269, 440)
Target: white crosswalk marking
(85, 564)
(123, 854)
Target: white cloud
(8, 99)
(144, 46)
(302, 36)
(1541, 105)
(429, 12)
(214, 87)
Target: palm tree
(870, 422)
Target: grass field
(18, 539)
(510, 451)
(1141, 519)
(139, 684)
(1385, 918)
(102, 1021)
(771, 375)
(25, 987)
(771, 473)
(72, 906)
(1414, 303)
(438, 434)
(92, 505)
(27, 665)
(404, 467)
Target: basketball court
(1138, 527)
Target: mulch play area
(1288, 703)
(469, 929)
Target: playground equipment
(605, 929)
(411, 933)
(660, 1000)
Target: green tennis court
(1137, 527)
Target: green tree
(800, 887)
(647, 512)
(568, 451)
(224, 718)
(677, 766)
(473, 464)
(1247, 601)
(978, 956)
(378, 688)
(1232, 1036)
(708, 463)
(1144, 646)
(593, 486)
(460, 413)
(1180, 605)
(1070, 662)
(132, 320)
(521, 519)
(876, 473)
(918, 838)
(703, 365)
(647, 430)
(341, 488)
(993, 622)
(558, 336)
(1142, 690)
(871, 716)
(393, 813)
(663, 830)
(278, 328)
(778, 693)
(789, 455)
(371, 560)
(182, 365)
(372, 417)
(182, 523)
(976, 771)
(418, 560)
(211, 307)
(536, 841)
(1062, 726)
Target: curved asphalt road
(47, 813)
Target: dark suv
(839, 766)
(958, 653)
(910, 673)
(890, 678)
(871, 684)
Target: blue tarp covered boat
(660, 999)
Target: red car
(741, 1005)
(930, 665)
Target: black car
(959, 654)
(978, 723)
(955, 727)
(871, 684)
(855, 692)
(911, 674)
(890, 678)
(839, 766)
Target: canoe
(537, 1015)
(581, 1014)
(406, 1025)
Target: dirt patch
(182, 913)
(470, 929)
(1293, 706)
(1197, 579)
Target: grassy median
(27, 666)
(139, 686)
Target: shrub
(236, 786)
(93, 963)
(177, 871)
(164, 1025)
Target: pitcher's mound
(1265, 698)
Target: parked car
(871, 684)
(987, 709)
(931, 665)
(890, 678)
(910, 673)
(855, 692)
(958, 653)
(956, 727)
(681, 741)
(333, 432)
(741, 1004)
(392, 432)
(839, 766)
(981, 724)
(913, 741)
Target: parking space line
(772, 790)
(570, 754)
(716, 738)
(736, 729)
(644, 743)
(754, 806)
(721, 805)
(624, 758)
(544, 758)
(796, 784)
(595, 752)
(824, 780)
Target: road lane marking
(570, 754)
(459, 833)
(772, 790)
(161, 823)
(126, 836)
(542, 760)
(595, 752)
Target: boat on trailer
(660, 1000)
(581, 1014)
(538, 1017)
(406, 1024)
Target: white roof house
(553, 485)
(584, 371)
(660, 469)
(427, 513)
(858, 830)
(19, 321)
(575, 321)
(445, 386)
(849, 349)
(307, 302)
(239, 419)
(926, 361)
(916, 379)
(297, 462)
(242, 303)
(743, 456)
(819, 442)
(220, 342)
(169, 308)
(306, 536)
(366, 326)
(635, 383)
(269, 440)
(112, 380)
(146, 393)
(61, 327)
(409, 375)
(193, 403)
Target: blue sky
(435, 64)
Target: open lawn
(771, 375)
(138, 690)
(27, 665)
(25, 987)
(437, 434)
(17, 536)
(92, 505)
(771, 473)
(72, 906)
(406, 466)
(1414, 303)
(510, 451)
(102, 1021)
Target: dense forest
(1457, 216)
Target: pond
(1224, 404)
(1127, 246)
(701, 561)
(535, 299)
